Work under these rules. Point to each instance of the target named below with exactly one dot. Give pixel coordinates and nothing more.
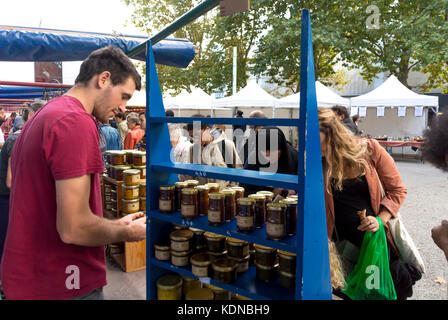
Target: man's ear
(103, 80)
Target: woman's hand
(369, 224)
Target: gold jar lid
(246, 201)
(179, 227)
(288, 201)
(217, 254)
(130, 201)
(181, 235)
(180, 253)
(162, 246)
(188, 279)
(293, 196)
(139, 153)
(238, 260)
(257, 196)
(268, 194)
(189, 191)
(202, 187)
(181, 184)
(169, 282)
(276, 206)
(192, 182)
(131, 172)
(228, 192)
(116, 152)
(197, 231)
(129, 187)
(236, 242)
(224, 265)
(237, 188)
(260, 248)
(139, 167)
(200, 294)
(122, 167)
(166, 187)
(287, 255)
(212, 185)
(130, 151)
(266, 267)
(213, 236)
(216, 195)
(200, 259)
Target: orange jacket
(390, 179)
(134, 136)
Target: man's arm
(76, 224)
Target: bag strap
(383, 194)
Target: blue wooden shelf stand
(309, 244)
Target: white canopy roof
(393, 93)
(326, 97)
(250, 96)
(138, 99)
(197, 99)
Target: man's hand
(137, 228)
(126, 220)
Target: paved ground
(425, 206)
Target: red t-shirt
(60, 141)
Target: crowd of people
(53, 154)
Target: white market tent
(326, 97)
(138, 99)
(392, 95)
(196, 100)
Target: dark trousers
(4, 218)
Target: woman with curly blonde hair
(354, 170)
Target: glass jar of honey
(166, 199)
(142, 189)
(143, 204)
(116, 157)
(169, 287)
(130, 206)
(131, 177)
(130, 192)
(229, 204)
(269, 198)
(178, 193)
(259, 209)
(117, 172)
(202, 200)
(239, 192)
(130, 157)
(142, 170)
(189, 207)
(276, 221)
(290, 215)
(139, 158)
(216, 208)
(245, 219)
(213, 187)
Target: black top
(354, 197)
(5, 154)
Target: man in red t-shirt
(54, 246)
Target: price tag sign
(229, 7)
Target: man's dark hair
(203, 125)
(141, 113)
(121, 115)
(355, 117)
(13, 114)
(239, 113)
(435, 145)
(110, 59)
(340, 111)
(169, 113)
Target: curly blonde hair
(340, 149)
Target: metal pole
(235, 68)
(188, 17)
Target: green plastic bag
(371, 278)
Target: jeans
(96, 294)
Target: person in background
(7, 125)
(54, 246)
(122, 127)
(342, 114)
(356, 120)
(2, 116)
(135, 134)
(141, 145)
(248, 144)
(5, 168)
(435, 151)
(111, 135)
(273, 155)
(225, 146)
(353, 169)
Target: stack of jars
(110, 197)
(121, 160)
(266, 263)
(131, 200)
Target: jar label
(214, 216)
(179, 261)
(245, 221)
(188, 210)
(180, 245)
(162, 255)
(131, 207)
(275, 230)
(132, 180)
(199, 271)
(130, 194)
(165, 205)
(143, 173)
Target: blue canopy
(26, 44)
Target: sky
(105, 16)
